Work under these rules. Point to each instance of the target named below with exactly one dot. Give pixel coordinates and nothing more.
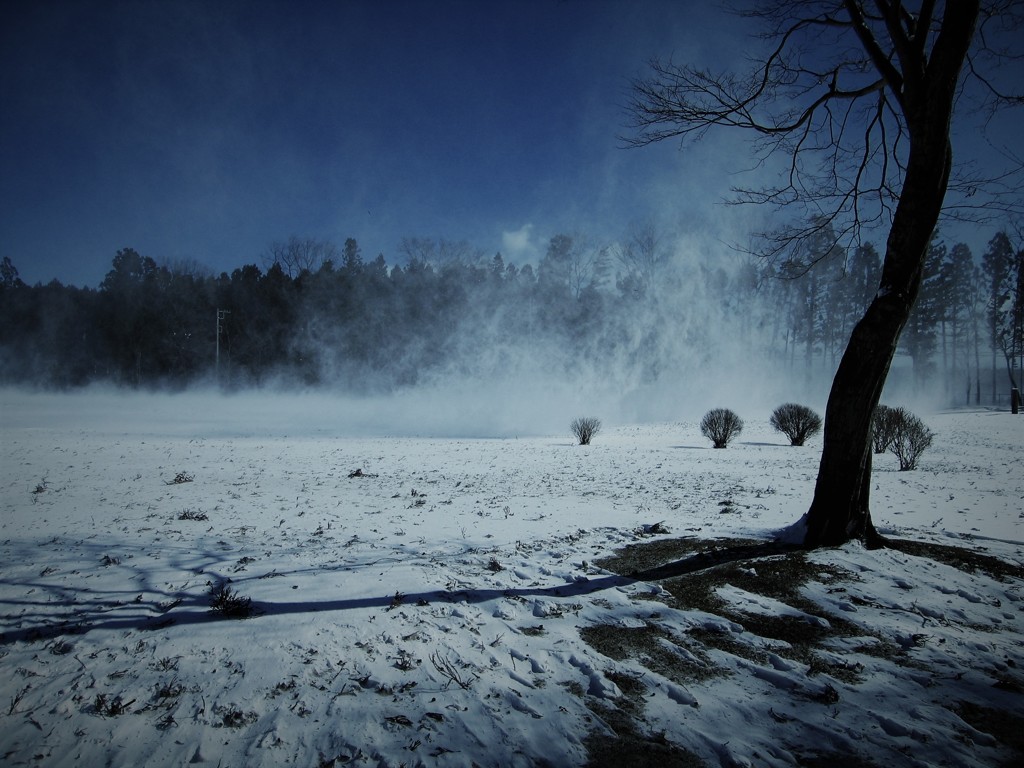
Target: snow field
(428, 609)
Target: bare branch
(1000, 97)
(879, 58)
(835, 91)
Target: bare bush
(910, 439)
(883, 427)
(107, 707)
(225, 601)
(233, 717)
(797, 422)
(585, 428)
(453, 672)
(721, 426)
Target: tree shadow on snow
(76, 593)
(61, 601)
(194, 609)
(45, 609)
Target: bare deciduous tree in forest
(300, 254)
(859, 96)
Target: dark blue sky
(206, 130)
(203, 131)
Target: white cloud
(517, 245)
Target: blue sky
(206, 130)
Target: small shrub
(233, 717)
(721, 426)
(883, 427)
(585, 429)
(168, 690)
(61, 648)
(453, 672)
(167, 663)
(16, 699)
(405, 661)
(797, 422)
(910, 439)
(227, 602)
(397, 600)
(107, 707)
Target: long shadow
(195, 610)
(575, 589)
(180, 608)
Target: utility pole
(221, 314)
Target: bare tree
(419, 251)
(859, 96)
(438, 254)
(458, 253)
(188, 267)
(588, 266)
(1003, 268)
(300, 254)
(575, 262)
(641, 256)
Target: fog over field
(474, 345)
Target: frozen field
(442, 601)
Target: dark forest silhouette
(318, 315)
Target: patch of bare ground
(961, 558)
(647, 555)
(1004, 727)
(656, 648)
(628, 749)
(624, 742)
(692, 571)
(832, 760)
(631, 746)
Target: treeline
(966, 327)
(320, 315)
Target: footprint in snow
(600, 686)
(535, 666)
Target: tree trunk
(840, 508)
(995, 370)
(977, 362)
(948, 375)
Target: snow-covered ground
(443, 605)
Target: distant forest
(319, 315)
